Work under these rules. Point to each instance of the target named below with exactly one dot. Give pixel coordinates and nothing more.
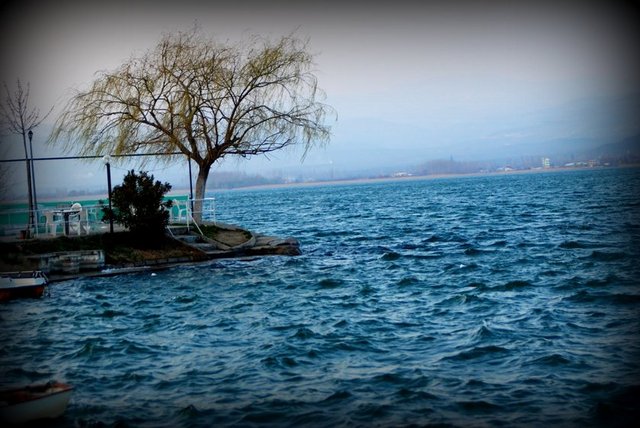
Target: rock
(270, 245)
(238, 245)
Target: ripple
(189, 411)
(90, 348)
(339, 396)
(571, 245)
(389, 378)
(553, 360)
(411, 395)
(478, 406)
(606, 256)
(391, 256)
(279, 362)
(474, 252)
(330, 283)
(304, 333)
(407, 281)
(483, 333)
(513, 286)
(597, 282)
(112, 313)
(584, 296)
(478, 352)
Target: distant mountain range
(624, 148)
(567, 152)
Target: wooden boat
(49, 400)
(22, 284)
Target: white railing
(51, 221)
(182, 212)
(208, 210)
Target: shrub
(138, 204)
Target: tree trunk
(201, 186)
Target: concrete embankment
(232, 242)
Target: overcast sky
(410, 81)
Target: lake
(501, 300)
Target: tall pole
(28, 161)
(107, 162)
(33, 181)
(190, 185)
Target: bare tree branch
(17, 118)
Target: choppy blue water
(478, 301)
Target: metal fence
(85, 217)
(53, 219)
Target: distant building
(546, 163)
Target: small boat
(21, 405)
(22, 284)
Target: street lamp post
(190, 184)
(33, 181)
(107, 162)
(30, 223)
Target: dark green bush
(138, 204)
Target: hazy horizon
(410, 82)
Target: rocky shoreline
(231, 242)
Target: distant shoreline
(419, 177)
(365, 180)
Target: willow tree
(203, 100)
